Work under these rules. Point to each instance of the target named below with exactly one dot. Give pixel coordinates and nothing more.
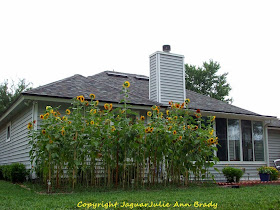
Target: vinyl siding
(153, 79)
(273, 145)
(17, 149)
(167, 78)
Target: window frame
(9, 125)
(241, 146)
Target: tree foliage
(9, 93)
(205, 80)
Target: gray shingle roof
(107, 87)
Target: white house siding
(17, 149)
(167, 77)
(273, 145)
(171, 78)
(153, 81)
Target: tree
(9, 93)
(205, 80)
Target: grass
(12, 196)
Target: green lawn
(13, 196)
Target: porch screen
(221, 133)
(258, 141)
(234, 139)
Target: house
(248, 140)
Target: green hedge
(15, 172)
(232, 174)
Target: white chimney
(167, 77)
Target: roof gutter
(12, 107)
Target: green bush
(6, 170)
(15, 172)
(18, 172)
(1, 173)
(232, 174)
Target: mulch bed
(247, 183)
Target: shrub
(232, 174)
(274, 173)
(1, 173)
(18, 172)
(6, 170)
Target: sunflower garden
(93, 145)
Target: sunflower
(69, 122)
(151, 129)
(180, 138)
(113, 128)
(189, 127)
(174, 132)
(187, 100)
(142, 118)
(195, 127)
(92, 122)
(167, 112)
(64, 118)
(29, 126)
(170, 102)
(169, 118)
(126, 84)
(111, 106)
(41, 116)
(86, 103)
(82, 98)
(46, 116)
(198, 111)
(62, 132)
(169, 128)
(92, 96)
(149, 113)
(175, 117)
(96, 103)
(177, 105)
(184, 127)
(213, 118)
(55, 114)
(211, 140)
(48, 108)
(147, 130)
(154, 107)
(106, 106)
(211, 132)
(68, 111)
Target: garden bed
(248, 183)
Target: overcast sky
(44, 41)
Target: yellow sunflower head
(167, 112)
(29, 126)
(68, 111)
(149, 113)
(106, 106)
(142, 118)
(92, 96)
(174, 132)
(62, 132)
(92, 122)
(180, 138)
(126, 84)
(41, 116)
(187, 100)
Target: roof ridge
(123, 73)
(55, 82)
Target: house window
(258, 141)
(221, 132)
(247, 143)
(240, 135)
(8, 132)
(234, 139)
